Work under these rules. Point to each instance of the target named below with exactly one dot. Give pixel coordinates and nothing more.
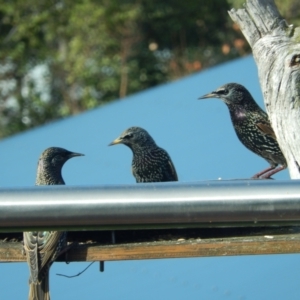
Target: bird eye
(127, 136)
(59, 157)
(222, 92)
(56, 159)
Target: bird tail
(39, 290)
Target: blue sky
(200, 138)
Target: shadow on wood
(159, 244)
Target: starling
(43, 247)
(251, 125)
(150, 163)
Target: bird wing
(172, 169)
(266, 129)
(49, 250)
(31, 250)
(40, 248)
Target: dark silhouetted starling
(43, 247)
(251, 125)
(150, 163)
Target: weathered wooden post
(276, 50)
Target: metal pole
(151, 205)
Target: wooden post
(276, 50)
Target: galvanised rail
(152, 205)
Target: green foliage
(290, 10)
(61, 57)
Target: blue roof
(201, 141)
(198, 134)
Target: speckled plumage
(150, 163)
(251, 125)
(43, 247)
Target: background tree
(61, 57)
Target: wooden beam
(267, 244)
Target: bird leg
(274, 171)
(256, 176)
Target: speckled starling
(150, 163)
(43, 247)
(251, 125)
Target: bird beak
(210, 95)
(116, 141)
(73, 154)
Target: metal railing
(151, 205)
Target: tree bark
(276, 50)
